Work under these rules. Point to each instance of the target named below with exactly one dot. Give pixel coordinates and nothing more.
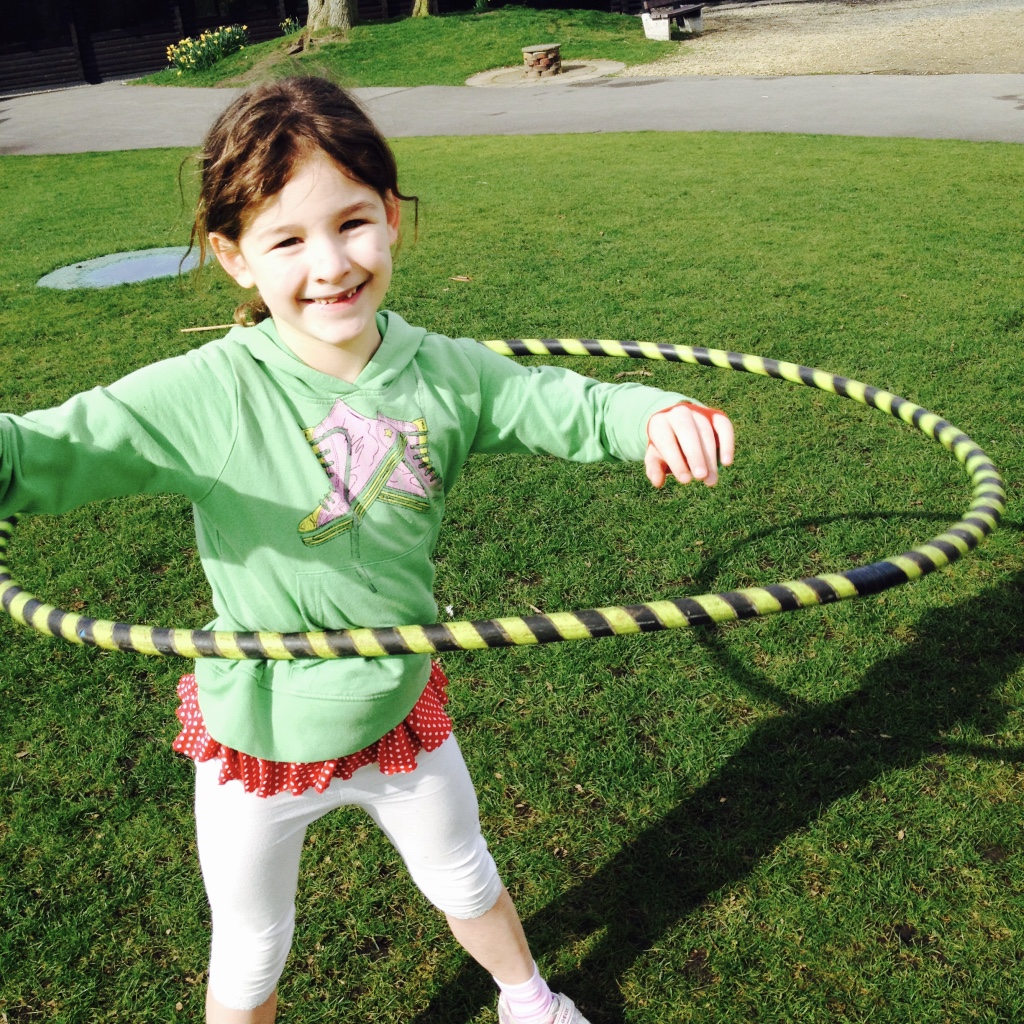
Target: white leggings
(249, 849)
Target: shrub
(290, 25)
(204, 52)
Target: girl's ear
(393, 209)
(230, 257)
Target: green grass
(434, 51)
(813, 817)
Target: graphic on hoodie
(367, 460)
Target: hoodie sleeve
(549, 409)
(145, 434)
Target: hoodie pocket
(389, 592)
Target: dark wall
(54, 43)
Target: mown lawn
(813, 817)
(443, 50)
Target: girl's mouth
(335, 300)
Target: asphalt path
(115, 116)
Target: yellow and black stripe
(980, 519)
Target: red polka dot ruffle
(426, 727)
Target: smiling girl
(318, 448)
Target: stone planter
(542, 61)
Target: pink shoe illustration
(367, 460)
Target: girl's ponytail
(251, 312)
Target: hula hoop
(980, 519)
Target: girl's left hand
(690, 442)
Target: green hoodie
(317, 502)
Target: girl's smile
(319, 253)
(344, 297)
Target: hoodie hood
(399, 344)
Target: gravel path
(891, 37)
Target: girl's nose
(328, 259)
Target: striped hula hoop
(981, 518)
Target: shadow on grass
(789, 772)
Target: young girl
(317, 448)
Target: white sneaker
(562, 1012)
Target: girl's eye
(286, 242)
(349, 225)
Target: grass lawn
(433, 51)
(814, 817)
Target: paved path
(974, 107)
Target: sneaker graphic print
(367, 460)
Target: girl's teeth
(337, 298)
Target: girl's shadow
(789, 772)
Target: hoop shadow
(790, 771)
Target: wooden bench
(658, 16)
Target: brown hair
(254, 146)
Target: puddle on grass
(122, 268)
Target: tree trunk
(329, 15)
(424, 8)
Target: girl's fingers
(691, 438)
(655, 467)
(708, 451)
(726, 438)
(686, 430)
(664, 437)
(689, 444)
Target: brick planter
(542, 61)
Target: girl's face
(319, 253)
